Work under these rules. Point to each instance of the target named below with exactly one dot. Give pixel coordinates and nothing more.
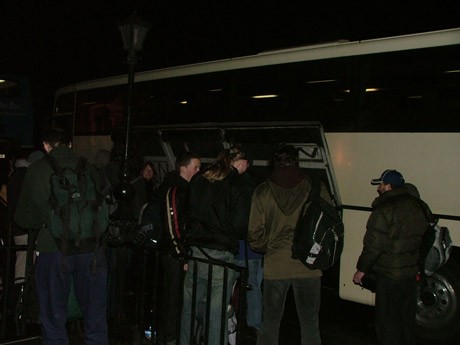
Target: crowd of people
(215, 213)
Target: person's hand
(357, 277)
(185, 267)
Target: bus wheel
(438, 305)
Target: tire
(438, 306)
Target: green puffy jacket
(394, 234)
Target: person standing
(187, 165)
(55, 270)
(20, 235)
(394, 234)
(218, 211)
(254, 263)
(275, 208)
(143, 188)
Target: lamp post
(133, 31)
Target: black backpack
(162, 222)
(318, 236)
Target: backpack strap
(315, 191)
(80, 170)
(172, 217)
(427, 241)
(53, 164)
(65, 216)
(313, 196)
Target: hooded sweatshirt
(275, 208)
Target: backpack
(78, 216)
(175, 221)
(318, 236)
(163, 232)
(435, 249)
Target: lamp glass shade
(133, 32)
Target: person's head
(148, 171)
(19, 160)
(54, 137)
(389, 180)
(286, 155)
(188, 164)
(239, 159)
(225, 162)
(35, 156)
(102, 158)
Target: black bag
(318, 236)
(162, 222)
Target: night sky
(56, 43)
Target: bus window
(406, 91)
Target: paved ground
(341, 323)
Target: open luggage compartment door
(259, 140)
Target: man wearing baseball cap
(391, 249)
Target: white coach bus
(355, 110)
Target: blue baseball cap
(390, 176)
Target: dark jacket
(172, 179)
(143, 193)
(32, 211)
(218, 212)
(394, 234)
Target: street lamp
(133, 31)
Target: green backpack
(78, 215)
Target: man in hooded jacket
(275, 208)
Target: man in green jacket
(276, 205)
(54, 270)
(391, 248)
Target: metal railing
(205, 275)
(160, 280)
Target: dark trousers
(171, 296)
(307, 295)
(53, 288)
(395, 306)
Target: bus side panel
(355, 226)
(430, 161)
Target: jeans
(21, 258)
(254, 296)
(216, 302)
(307, 295)
(53, 288)
(395, 308)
